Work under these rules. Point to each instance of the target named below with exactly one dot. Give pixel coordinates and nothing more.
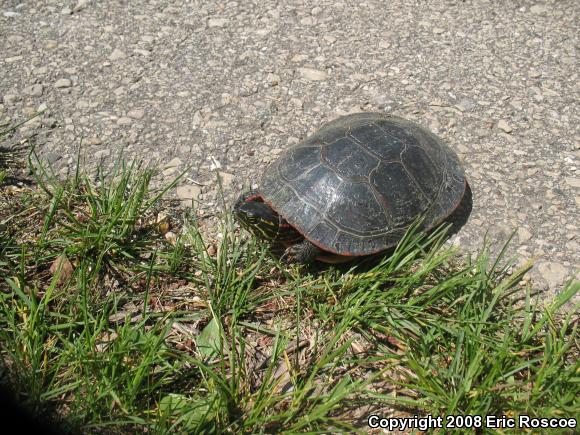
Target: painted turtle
(353, 188)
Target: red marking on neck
(256, 197)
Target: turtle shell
(354, 187)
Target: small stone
(63, 268)
(136, 113)
(80, 5)
(142, 52)
(465, 105)
(10, 14)
(10, 99)
(63, 83)
(316, 10)
(539, 9)
(117, 55)
(217, 22)
(173, 163)
(573, 246)
(503, 125)
(330, 39)
(34, 90)
(170, 237)
(211, 250)
(30, 112)
(273, 79)
(532, 171)
(49, 122)
(52, 157)
(40, 71)
(554, 273)
(101, 154)
(227, 178)
(124, 121)
(312, 74)
(187, 193)
(438, 30)
(66, 11)
(524, 234)
(573, 181)
(297, 102)
(534, 74)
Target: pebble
(573, 181)
(80, 5)
(503, 125)
(124, 121)
(173, 163)
(217, 22)
(227, 179)
(297, 102)
(524, 234)
(136, 113)
(63, 83)
(117, 55)
(10, 99)
(40, 71)
(273, 79)
(142, 52)
(187, 193)
(49, 122)
(539, 9)
(312, 74)
(466, 105)
(10, 14)
(554, 273)
(101, 154)
(52, 157)
(171, 237)
(34, 90)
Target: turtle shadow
(461, 214)
(455, 220)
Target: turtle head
(258, 217)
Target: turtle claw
(301, 253)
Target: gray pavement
(226, 86)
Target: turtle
(353, 188)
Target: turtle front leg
(302, 253)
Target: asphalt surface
(226, 87)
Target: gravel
(227, 86)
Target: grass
(109, 323)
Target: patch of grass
(109, 324)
